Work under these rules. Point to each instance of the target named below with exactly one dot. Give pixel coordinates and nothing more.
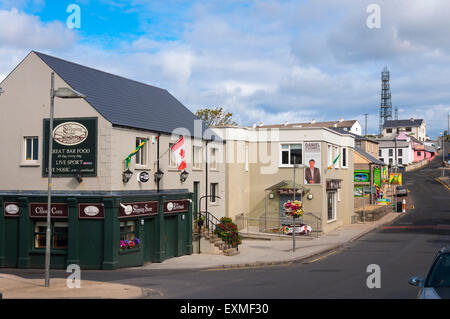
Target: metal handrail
(213, 221)
(316, 223)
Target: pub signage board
(176, 206)
(91, 211)
(138, 209)
(11, 209)
(334, 183)
(74, 147)
(39, 210)
(288, 191)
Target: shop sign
(11, 209)
(287, 191)
(91, 211)
(74, 147)
(39, 210)
(138, 209)
(176, 206)
(384, 174)
(334, 183)
(395, 179)
(377, 176)
(361, 176)
(143, 177)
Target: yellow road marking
(322, 257)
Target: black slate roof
(403, 123)
(125, 102)
(370, 157)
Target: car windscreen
(439, 275)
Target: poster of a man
(312, 161)
(312, 174)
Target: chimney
(313, 121)
(254, 125)
(412, 119)
(285, 123)
(260, 124)
(341, 120)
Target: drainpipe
(157, 162)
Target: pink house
(422, 151)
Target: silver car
(436, 285)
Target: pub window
(128, 230)
(400, 161)
(141, 155)
(391, 152)
(391, 161)
(400, 152)
(344, 157)
(59, 235)
(196, 156)
(291, 154)
(379, 152)
(408, 129)
(213, 159)
(388, 130)
(31, 149)
(172, 162)
(214, 192)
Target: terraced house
(109, 209)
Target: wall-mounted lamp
(310, 196)
(158, 175)
(183, 176)
(127, 175)
(78, 177)
(271, 195)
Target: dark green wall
(95, 243)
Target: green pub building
(106, 213)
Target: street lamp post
(64, 93)
(293, 217)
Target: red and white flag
(179, 154)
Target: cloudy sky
(264, 61)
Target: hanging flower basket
(128, 244)
(293, 208)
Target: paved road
(402, 250)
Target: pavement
(253, 253)
(15, 287)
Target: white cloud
(20, 30)
(274, 61)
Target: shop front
(93, 230)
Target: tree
(215, 117)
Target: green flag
(128, 159)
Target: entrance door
(283, 200)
